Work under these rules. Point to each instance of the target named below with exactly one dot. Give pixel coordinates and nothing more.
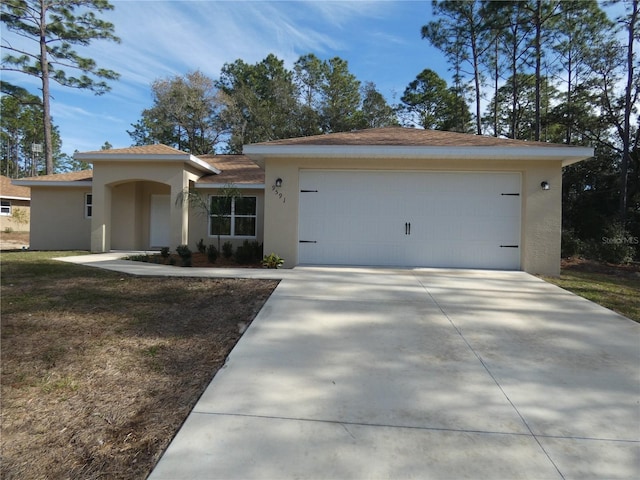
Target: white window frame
(232, 219)
(88, 205)
(5, 208)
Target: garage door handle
(508, 246)
(407, 228)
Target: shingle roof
(84, 175)
(236, 169)
(156, 149)
(406, 137)
(7, 189)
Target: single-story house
(388, 196)
(15, 206)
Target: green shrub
(212, 253)
(618, 245)
(249, 252)
(139, 258)
(202, 248)
(227, 249)
(185, 254)
(164, 252)
(272, 261)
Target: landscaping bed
(100, 369)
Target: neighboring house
(15, 206)
(388, 196)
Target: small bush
(139, 258)
(212, 253)
(185, 254)
(202, 248)
(272, 261)
(165, 252)
(8, 230)
(227, 249)
(249, 252)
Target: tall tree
(514, 42)
(309, 76)
(616, 68)
(261, 102)
(376, 112)
(53, 27)
(21, 136)
(542, 14)
(428, 103)
(579, 32)
(519, 122)
(630, 23)
(460, 33)
(340, 97)
(185, 114)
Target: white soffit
(567, 155)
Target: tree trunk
(538, 53)
(626, 137)
(46, 108)
(495, 90)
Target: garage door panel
(456, 219)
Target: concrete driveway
(440, 374)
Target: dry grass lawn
(100, 369)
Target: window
(5, 209)
(233, 217)
(88, 205)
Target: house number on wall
(279, 194)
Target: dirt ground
(100, 369)
(13, 240)
(584, 265)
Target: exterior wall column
(101, 218)
(179, 217)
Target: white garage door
(429, 219)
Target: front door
(159, 221)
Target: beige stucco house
(389, 196)
(15, 206)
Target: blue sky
(380, 40)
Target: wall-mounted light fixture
(278, 182)
(545, 185)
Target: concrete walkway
(431, 373)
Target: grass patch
(616, 288)
(100, 369)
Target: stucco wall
(110, 190)
(541, 210)
(9, 221)
(130, 214)
(58, 219)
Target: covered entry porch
(134, 194)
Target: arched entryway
(140, 215)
